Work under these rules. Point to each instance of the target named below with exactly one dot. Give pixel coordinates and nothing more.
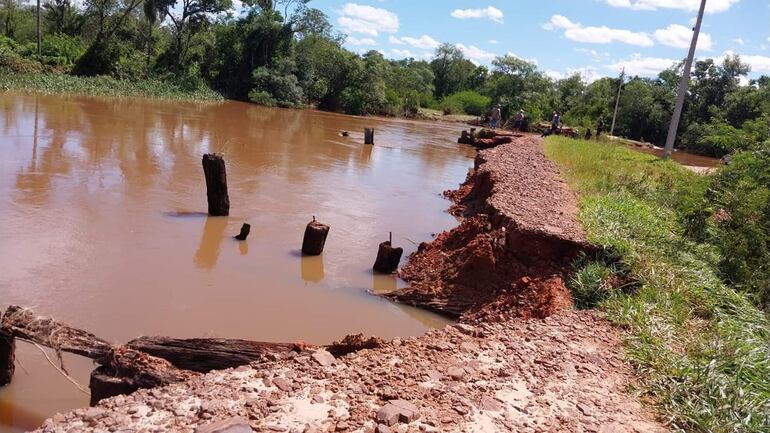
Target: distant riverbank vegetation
(286, 53)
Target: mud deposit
(509, 256)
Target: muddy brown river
(102, 225)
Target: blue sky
(594, 37)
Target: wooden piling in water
(315, 238)
(369, 136)
(216, 184)
(245, 230)
(388, 257)
(7, 357)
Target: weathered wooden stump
(315, 238)
(216, 184)
(7, 357)
(388, 258)
(245, 230)
(368, 135)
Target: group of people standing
(495, 119)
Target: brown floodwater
(102, 225)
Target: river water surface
(102, 225)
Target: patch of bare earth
(520, 360)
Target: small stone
(388, 415)
(342, 426)
(232, 425)
(585, 409)
(324, 358)
(282, 384)
(382, 428)
(278, 428)
(456, 373)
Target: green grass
(104, 86)
(702, 350)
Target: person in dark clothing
(588, 134)
(555, 122)
(600, 125)
(518, 121)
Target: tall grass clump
(702, 349)
(106, 86)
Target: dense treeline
(286, 53)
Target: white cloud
(493, 41)
(361, 42)
(490, 12)
(588, 74)
(597, 35)
(367, 20)
(533, 61)
(643, 66)
(404, 54)
(424, 42)
(712, 6)
(476, 54)
(679, 36)
(595, 55)
(739, 41)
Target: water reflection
(211, 242)
(312, 268)
(86, 186)
(383, 283)
(243, 247)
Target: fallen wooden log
(24, 323)
(206, 354)
(125, 370)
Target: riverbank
(50, 83)
(701, 349)
(493, 372)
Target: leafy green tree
(451, 70)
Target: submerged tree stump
(315, 238)
(245, 230)
(216, 184)
(7, 357)
(368, 135)
(388, 258)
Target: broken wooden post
(245, 230)
(368, 135)
(216, 184)
(7, 357)
(388, 257)
(315, 238)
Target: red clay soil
(509, 256)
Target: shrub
(284, 89)
(261, 97)
(468, 102)
(66, 49)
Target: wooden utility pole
(38, 27)
(683, 84)
(617, 101)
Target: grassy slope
(102, 86)
(702, 350)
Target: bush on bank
(702, 348)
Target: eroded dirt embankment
(509, 255)
(492, 373)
